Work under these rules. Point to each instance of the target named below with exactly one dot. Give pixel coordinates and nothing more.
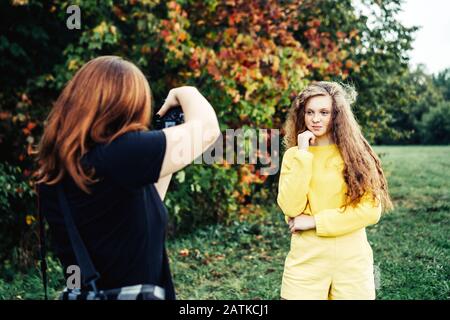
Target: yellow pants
(321, 268)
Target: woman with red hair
(98, 150)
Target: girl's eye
(325, 113)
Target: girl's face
(318, 115)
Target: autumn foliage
(249, 58)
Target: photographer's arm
(162, 185)
(189, 140)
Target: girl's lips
(317, 127)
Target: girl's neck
(324, 140)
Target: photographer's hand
(187, 141)
(170, 102)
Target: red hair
(106, 98)
(363, 172)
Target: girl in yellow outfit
(331, 187)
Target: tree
(250, 58)
(442, 81)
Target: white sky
(432, 42)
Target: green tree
(250, 58)
(374, 57)
(435, 125)
(442, 81)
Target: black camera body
(173, 117)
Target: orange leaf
(340, 34)
(348, 64)
(184, 252)
(182, 36)
(31, 125)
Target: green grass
(245, 260)
(23, 286)
(411, 244)
(242, 261)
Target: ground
(245, 260)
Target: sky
(432, 42)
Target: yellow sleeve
(295, 176)
(336, 222)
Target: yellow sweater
(312, 182)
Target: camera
(173, 117)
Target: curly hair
(363, 173)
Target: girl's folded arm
(336, 222)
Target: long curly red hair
(363, 171)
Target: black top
(123, 221)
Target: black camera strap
(88, 272)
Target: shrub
(435, 126)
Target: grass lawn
(245, 260)
(411, 244)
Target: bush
(17, 219)
(28, 285)
(249, 58)
(435, 127)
